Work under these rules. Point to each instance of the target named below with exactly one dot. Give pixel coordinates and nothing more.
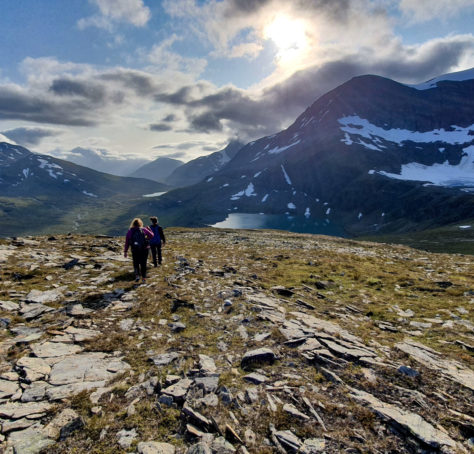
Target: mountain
(157, 170)
(39, 192)
(372, 155)
(196, 170)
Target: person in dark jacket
(157, 241)
(138, 238)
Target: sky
(131, 80)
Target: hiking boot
(137, 278)
(144, 281)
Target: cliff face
(242, 341)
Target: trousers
(156, 249)
(140, 258)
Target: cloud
(7, 140)
(159, 127)
(170, 118)
(175, 155)
(133, 12)
(426, 10)
(30, 136)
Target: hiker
(157, 240)
(138, 239)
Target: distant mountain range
(157, 170)
(196, 170)
(42, 193)
(372, 155)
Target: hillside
(157, 170)
(243, 341)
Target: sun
(288, 35)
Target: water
(299, 224)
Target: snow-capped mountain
(157, 170)
(196, 170)
(372, 154)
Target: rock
(63, 424)
(77, 310)
(70, 264)
(262, 337)
(29, 441)
(86, 367)
(255, 378)
(408, 371)
(7, 388)
(251, 395)
(154, 447)
(32, 311)
(293, 411)
(199, 448)
(249, 437)
(17, 424)
(54, 349)
(196, 418)
(177, 327)
(35, 392)
(164, 359)
(126, 438)
(206, 364)
(126, 324)
(81, 334)
(177, 303)
(209, 384)
(48, 296)
(313, 446)
(33, 368)
(288, 440)
(422, 325)
(16, 410)
(166, 400)
(259, 356)
(222, 446)
(179, 390)
(64, 391)
(242, 332)
(433, 360)
(411, 422)
(9, 306)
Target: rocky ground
(243, 341)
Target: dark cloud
(182, 96)
(141, 84)
(17, 105)
(209, 148)
(160, 127)
(170, 118)
(29, 136)
(206, 122)
(68, 87)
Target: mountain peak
(459, 76)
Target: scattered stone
(206, 364)
(126, 437)
(283, 291)
(16, 410)
(222, 446)
(408, 371)
(7, 388)
(63, 424)
(35, 392)
(199, 448)
(32, 311)
(196, 418)
(48, 296)
(164, 359)
(154, 447)
(9, 306)
(313, 446)
(293, 411)
(177, 327)
(259, 356)
(255, 378)
(33, 369)
(288, 440)
(179, 390)
(209, 383)
(54, 349)
(77, 310)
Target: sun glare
(288, 35)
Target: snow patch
(250, 191)
(277, 150)
(89, 194)
(443, 174)
(307, 213)
(26, 172)
(291, 206)
(464, 227)
(287, 178)
(265, 197)
(257, 174)
(209, 179)
(155, 194)
(359, 216)
(363, 128)
(455, 77)
(328, 211)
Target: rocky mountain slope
(157, 170)
(197, 169)
(41, 193)
(243, 341)
(372, 155)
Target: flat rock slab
(288, 440)
(86, 367)
(9, 306)
(65, 391)
(258, 356)
(32, 311)
(33, 368)
(48, 296)
(154, 447)
(433, 360)
(178, 390)
(411, 422)
(207, 364)
(16, 410)
(81, 334)
(29, 441)
(54, 349)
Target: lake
(298, 224)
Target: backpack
(156, 240)
(138, 240)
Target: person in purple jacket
(138, 238)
